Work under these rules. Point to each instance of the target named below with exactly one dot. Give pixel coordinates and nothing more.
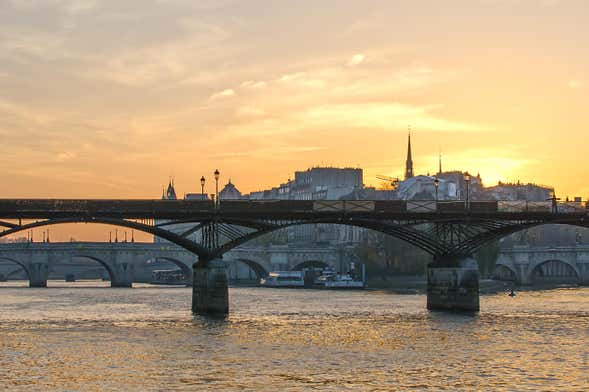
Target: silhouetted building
(518, 191)
(230, 192)
(409, 161)
(170, 193)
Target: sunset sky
(111, 98)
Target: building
(409, 161)
(230, 192)
(170, 193)
(317, 183)
(518, 191)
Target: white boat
(284, 279)
(329, 279)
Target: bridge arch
(505, 272)
(191, 246)
(20, 264)
(258, 268)
(477, 241)
(310, 264)
(106, 266)
(403, 232)
(186, 269)
(554, 271)
(16, 272)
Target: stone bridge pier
(210, 288)
(36, 264)
(453, 284)
(121, 273)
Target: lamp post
(216, 173)
(436, 185)
(202, 187)
(467, 180)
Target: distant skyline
(110, 99)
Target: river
(88, 337)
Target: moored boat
(329, 279)
(289, 279)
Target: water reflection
(146, 339)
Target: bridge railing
(164, 209)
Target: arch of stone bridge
(505, 272)
(190, 246)
(259, 269)
(106, 265)
(310, 264)
(17, 262)
(186, 268)
(16, 272)
(571, 271)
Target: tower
(440, 164)
(409, 162)
(170, 193)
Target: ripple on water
(146, 339)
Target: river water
(86, 336)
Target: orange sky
(102, 99)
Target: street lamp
(467, 179)
(216, 173)
(436, 185)
(202, 187)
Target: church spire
(440, 163)
(409, 162)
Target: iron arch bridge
(446, 230)
(449, 231)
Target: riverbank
(418, 285)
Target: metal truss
(210, 238)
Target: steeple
(170, 193)
(440, 164)
(409, 162)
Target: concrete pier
(210, 289)
(453, 285)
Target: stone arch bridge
(122, 259)
(528, 265)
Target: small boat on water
(329, 279)
(289, 279)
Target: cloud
(253, 84)
(356, 59)
(383, 115)
(223, 94)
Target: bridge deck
(283, 209)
